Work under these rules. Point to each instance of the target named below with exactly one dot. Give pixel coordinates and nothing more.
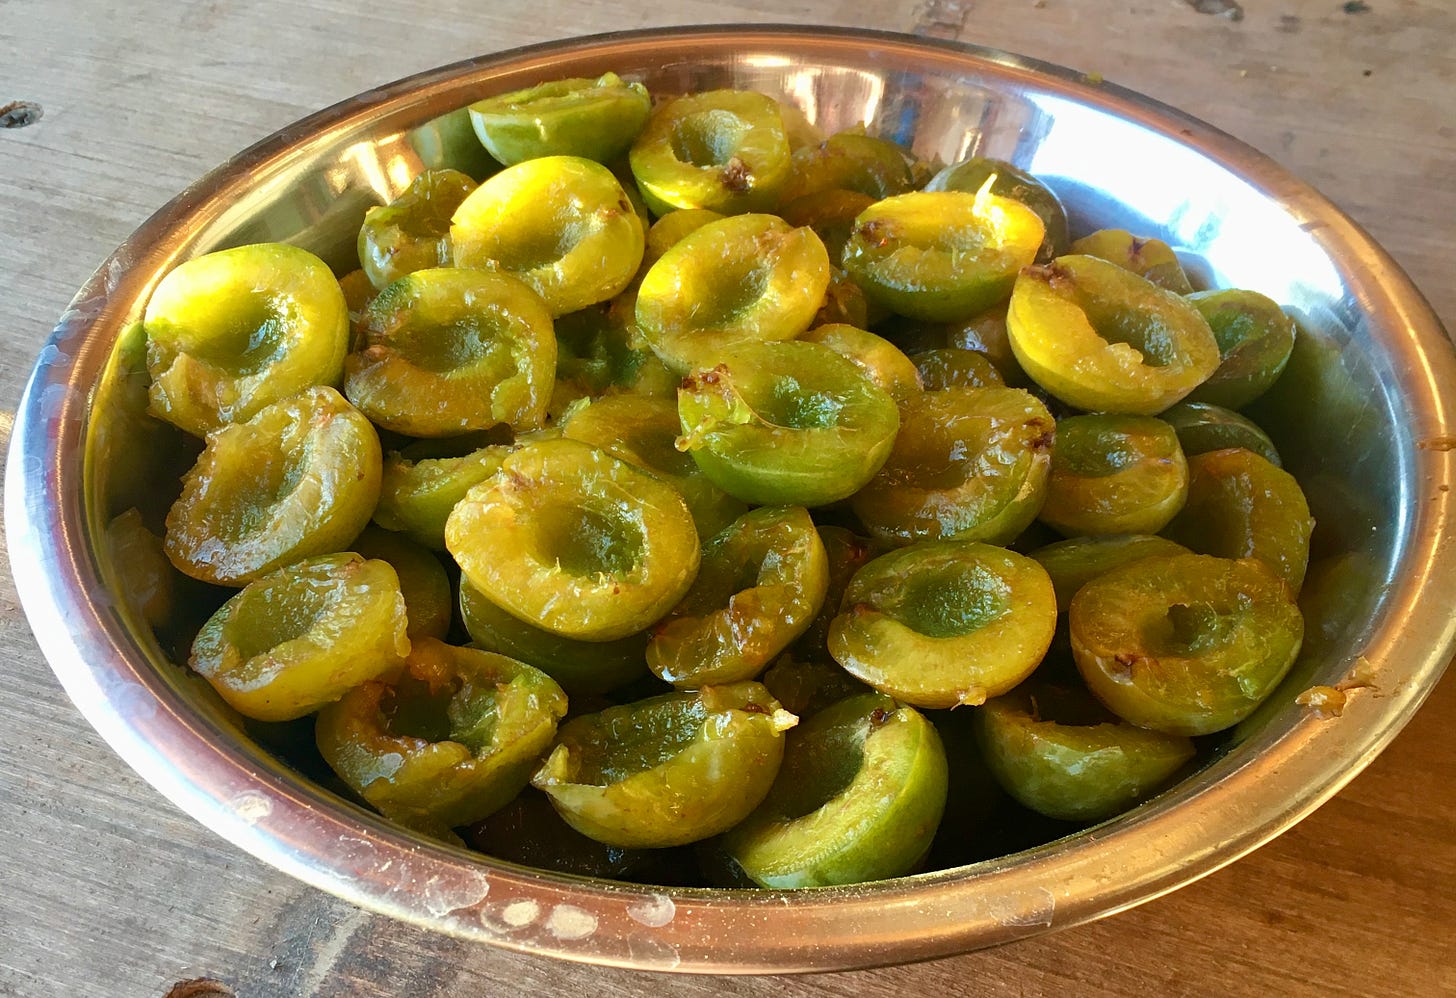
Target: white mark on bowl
(115, 271)
(53, 356)
(519, 913)
(567, 921)
(251, 806)
(653, 912)
(75, 319)
(59, 400)
(442, 897)
(1027, 908)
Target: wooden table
(106, 889)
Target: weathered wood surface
(105, 888)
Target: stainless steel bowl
(1363, 416)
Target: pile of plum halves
(696, 499)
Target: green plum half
(953, 367)
(941, 256)
(1114, 475)
(760, 585)
(643, 431)
(743, 279)
(423, 583)
(595, 119)
(144, 574)
(1062, 754)
(1255, 340)
(421, 483)
(448, 741)
(1185, 644)
(569, 538)
(232, 332)
(668, 770)
(968, 463)
(412, 232)
(1103, 339)
(300, 478)
(1241, 506)
(858, 798)
(1151, 259)
(1203, 427)
(1074, 563)
(562, 225)
(851, 161)
(724, 150)
(673, 228)
(792, 424)
(945, 623)
(303, 636)
(447, 351)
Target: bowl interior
(1349, 417)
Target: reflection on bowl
(1354, 416)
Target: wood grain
(105, 888)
